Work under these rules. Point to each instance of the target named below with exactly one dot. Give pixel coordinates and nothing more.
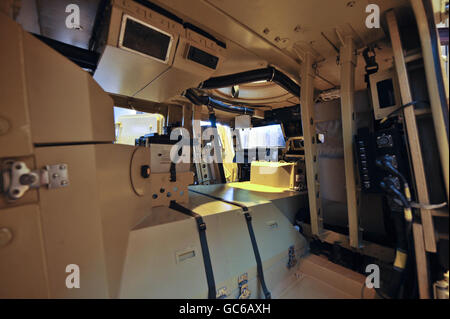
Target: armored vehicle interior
(224, 149)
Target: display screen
(141, 38)
(270, 136)
(386, 94)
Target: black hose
(286, 83)
(238, 78)
(404, 246)
(398, 276)
(194, 98)
(242, 104)
(208, 101)
(268, 74)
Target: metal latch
(17, 178)
(244, 291)
(292, 260)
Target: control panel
(371, 146)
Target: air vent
(202, 57)
(139, 37)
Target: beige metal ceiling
(287, 22)
(268, 30)
(257, 32)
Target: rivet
(4, 126)
(6, 236)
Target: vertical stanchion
(421, 262)
(348, 64)
(412, 132)
(424, 236)
(310, 142)
(437, 90)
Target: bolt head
(27, 179)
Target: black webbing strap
(173, 172)
(259, 267)
(248, 219)
(204, 243)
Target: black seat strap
(259, 267)
(248, 219)
(201, 226)
(173, 172)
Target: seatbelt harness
(248, 219)
(201, 226)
